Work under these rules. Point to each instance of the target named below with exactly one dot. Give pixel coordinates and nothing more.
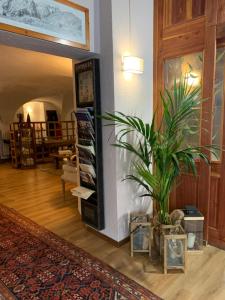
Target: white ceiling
(27, 75)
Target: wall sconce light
(132, 64)
(193, 79)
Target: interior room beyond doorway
(36, 99)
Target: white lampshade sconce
(132, 64)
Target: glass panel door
(218, 101)
(190, 67)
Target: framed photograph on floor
(60, 21)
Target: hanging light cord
(130, 25)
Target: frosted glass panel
(218, 102)
(190, 67)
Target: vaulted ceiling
(27, 75)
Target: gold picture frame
(60, 14)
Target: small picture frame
(86, 74)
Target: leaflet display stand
(89, 143)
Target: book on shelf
(85, 154)
(84, 120)
(85, 142)
(91, 148)
(87, 178)
(85, 161)
(84, 114)
(86, 134)
(88, 169)
(85, 125)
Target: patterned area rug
(36, 264)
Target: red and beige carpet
(36, 264)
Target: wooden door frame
(221, 216)
(209, 67)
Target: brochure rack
(89, 143)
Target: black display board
(89, 142)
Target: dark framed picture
(86, 76)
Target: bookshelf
(27, 148)
(15, 149)
(4, 146)
(89, 143)
(48, 137)
(23, 151)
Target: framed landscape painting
(60, 21)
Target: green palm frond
(161, 155)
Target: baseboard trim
(108, 239)
(217, 243)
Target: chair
(69, 175)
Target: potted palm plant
(162, 153)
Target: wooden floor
(37, 195)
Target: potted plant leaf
(162, 153)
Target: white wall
(90, 5)
(134, 97)
(67, 107)
(63, 104)
(35, 110)
(108, 104)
